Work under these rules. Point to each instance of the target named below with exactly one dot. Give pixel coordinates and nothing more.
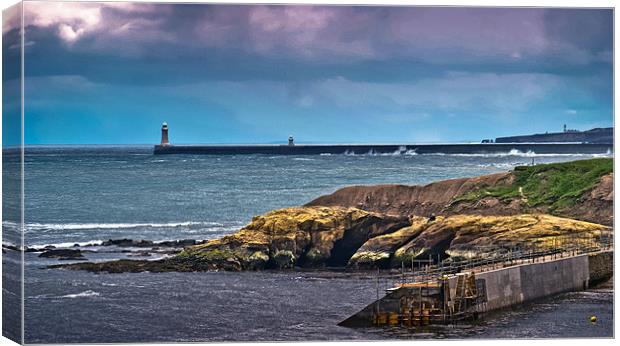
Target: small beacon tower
(290, 141)
(164, 134)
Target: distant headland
(595, 141)
(597, 135)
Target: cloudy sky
(113, 72)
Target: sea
(86, 195)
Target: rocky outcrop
(533, 189)
(304, 237)
(477, 236)
(473, 236)
(335, 237)
(136, 266)
(63, 254)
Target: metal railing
(494, 257)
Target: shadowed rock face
(378, 251)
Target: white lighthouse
(164, 134)
(290, 141)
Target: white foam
(9, 244)
(302, 159)
(96, 243)
(402, 150)
(518, 153)
(78, 226)
(11, 225)
(502, 165)
(88, 293)
(511, 153)
(68, 244)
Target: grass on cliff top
(556, 185)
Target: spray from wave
(401, 151)
(529, 153)
(84, 294)
(512, 153)
(183, 230)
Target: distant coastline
(596, 135)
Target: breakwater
(476, 290)
(360, 149)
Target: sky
(111, 73)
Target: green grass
(556, 185)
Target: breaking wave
(88, 293)
(302, 159)
(403, 151)
(398, 152)
(519, 153)
(83, 226)
(9, 244)
(85, 294)
(68, 244)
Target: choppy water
(86, 195)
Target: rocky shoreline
(365, 227)
(134, 248)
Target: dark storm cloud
(167, 44)
(589, 30)
(253, 73)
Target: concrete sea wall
(495, 289)
(526, 282)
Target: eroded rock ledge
(319, 237)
